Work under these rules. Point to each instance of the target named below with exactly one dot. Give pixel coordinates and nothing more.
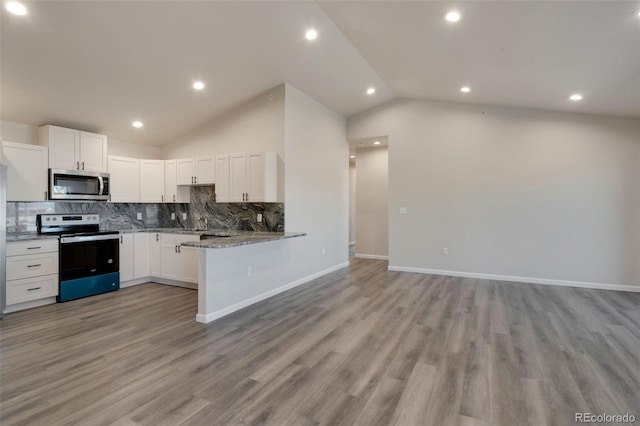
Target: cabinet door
(93, 152)
(126, 257)
(222, 178)
(64, 147)
(188, 260)
(26, 171)
(170, 181)
(255, 176)
(152, 181)
(154, 255)
(125, 179)
(169, 260)
(141, 255)
(186, 171)
(205, 169)
(237, 177)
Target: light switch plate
(259, 217)
(139, 216)
(173, 216)
(184, 216)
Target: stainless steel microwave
(78, 185)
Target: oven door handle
(101, 184)
(88, 238)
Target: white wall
(511, 192)
(256, 125)
(352, 202)
(316, 184)
(372, 210)
(17, 132)
(25, 133)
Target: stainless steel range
(88, 257)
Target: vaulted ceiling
(99, 65)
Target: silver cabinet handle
(34, 266)
(83, 165)
(46, 195)
(34, 248)
(77, 165)
(157, 237)
(195, 179)
(175, 248)
(162, 198)
(247, 196)
(35, 288)
(179, 249)
(174, 198)
(121, 240)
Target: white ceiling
(98, 65)
(511, 53)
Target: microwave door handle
(101, 185)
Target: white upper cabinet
(196, 171)
(222, 178)
(186, 171)
(124, 179)
(206, 170)
(172, 192)
(253, 177)
(26, 171)
(71, 149)
(237, 177)
(152, 184)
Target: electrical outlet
(139, 216)
(184, 216)
(173, 216)
(249, 270)
(259, 217)
(445, 251)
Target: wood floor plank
(362, 345)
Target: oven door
(88, 256)
(78, 185)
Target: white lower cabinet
(158, 255)
(141, 255)
(177, 262)
(32, 272)
(126, 257)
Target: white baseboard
(158, 280)
(371, 256)
(30, 304)
(255, 299)
(514, 279)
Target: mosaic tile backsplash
(201, 212)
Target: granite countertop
(28, 236)
(240, 238)
(172, 230)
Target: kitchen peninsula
(238, 269)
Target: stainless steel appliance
(78, 185)
(89, 258)
(3, 238)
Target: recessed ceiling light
(452, 16)
(376, 143)
(137, 124)
(16, 8)
(352, 156)
(371, 91)
(465, 89)
(638, 13)
(576, 97)
(198, 85)
(311, 35)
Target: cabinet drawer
(32, 265)
(19, 291)
(32, 247)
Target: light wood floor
(360, 346)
